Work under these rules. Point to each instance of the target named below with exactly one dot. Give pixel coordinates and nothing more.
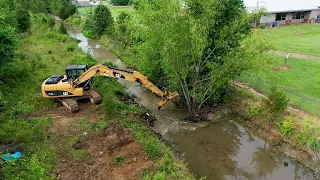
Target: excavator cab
(74, 71)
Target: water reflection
(226, 151)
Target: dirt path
(295, 55)
(111, 153)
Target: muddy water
(223, 150)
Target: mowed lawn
(115, 10)
(303, 77)
(300, 38)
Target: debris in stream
(147, 118)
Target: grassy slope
(42, 53)
(301, 38)
(114, 10)
(303, 77)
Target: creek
(221, 150)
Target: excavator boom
(103, 70)
(76, 84)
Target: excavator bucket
(174, 97)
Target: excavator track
(94, 97)
(70, 104)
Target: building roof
(290, 11)
(283, 5)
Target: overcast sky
(280, 5)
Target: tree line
(195, 47)
(15, 18)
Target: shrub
(286, 126)
(51, 22)
(275, 105)
(23, 20)
(62, 29)
(7, 46)
(261, 26)
(120, 2)
(67, 10)
(70, 48)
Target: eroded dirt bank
(112, 153)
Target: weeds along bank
(41, 52)
(294, 133)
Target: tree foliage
(67, 9)
(120, 2)
(199, 49)
(275, 105)
(102, 19)
(122, 33)
(23, 20)
(7, 46)
(99, 22)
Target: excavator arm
(103, 70)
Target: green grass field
(114, 10)
(303, 77)
(301, 38)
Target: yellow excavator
(77, 84)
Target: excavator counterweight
(77, 84)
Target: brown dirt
(295, 55)
(282, 68)
(102, 147)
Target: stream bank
(222, 150)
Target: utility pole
(287, 57)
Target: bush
(70, 48)
(286, 126)
(7, 46)
(67, 10)
(120, 2)
(51, 22)
(23, 20)
(261, 26)
(62, 29)
(275, 105)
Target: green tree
(120, 2)
(62, 29)
(102, 19)
(67, 9)
(7, 13)
(122, 36)
(275, 105)
(23, 20)
(7, 46)
(197, 50)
